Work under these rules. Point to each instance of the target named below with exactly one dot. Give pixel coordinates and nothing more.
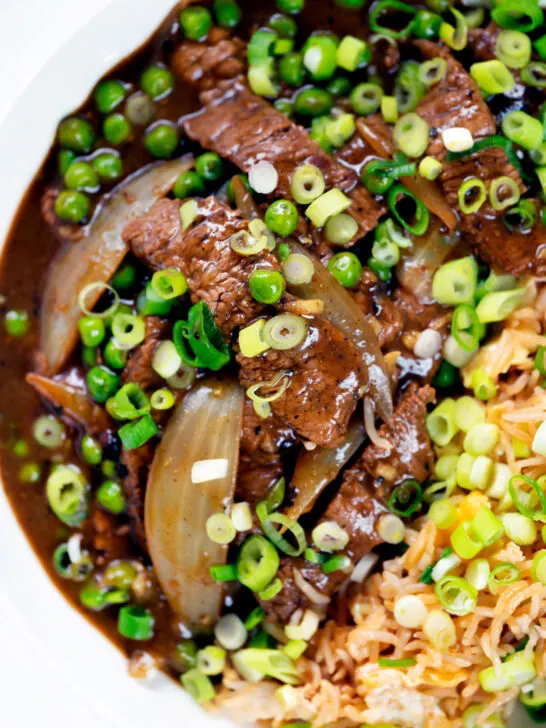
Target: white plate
(82, 678)
(71, 664)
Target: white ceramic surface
(60, 669)
(56, 659)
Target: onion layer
(96, 257)
(344, 312)
(205, 426)
(316, 469)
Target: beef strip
(327, 373)
(457, 101)
(245, 129)
(326, 369)
(482, 41)
(260, 462)
(139, 363)
(359, 503)
(204, 65)
(215, 273)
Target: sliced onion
(345, 313)
(369, 421)
(205, 426)
(309, 590)
(73, 400)
(364, 567)
(419, 263)
(96, 258)
(316, 469)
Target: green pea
(108, 95)
(108, 468)
(209, 166)
(116, 129)
(120, 574)
(189, 184)
(17, 323)
(113, 357)
(76, 134)
(102, 383)
(81, 176)
(72, 206)
(91, 450)
(283, 251)
(285, 106)
(426, 25)
(446, 376)
(21, 448)
(246, 183)
(313, 102)
(350, 4)
(157, 82)
(125, 277)
(292, 7)
(92, 330)
(340, 86)
(228, 13)
(65, 159)
(266, 286)
(346, 269)
(162, 140)
(108, 166)
(284, 25)
(381, 270)
(195, 22)
(110, 496)
(92, 596)
(291, 69)
(150, 304)
(89, 356)
(281, 217)
(30, 473)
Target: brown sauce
(30, 247)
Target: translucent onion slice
(205, 426)
(73, 400)
(316, 469)
(345, 313)
(96, 257)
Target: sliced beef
(204, 65)
(454, 101)
(139, 363)
(215, 273)
(372, 297)
(326, 370)
(137, 462)
(260, 463)
(360, 501)
(457, 101)
(355, 154)
(246, 129)
(326, 374)
(411, 454)
(482, 41)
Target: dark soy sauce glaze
(31, 246)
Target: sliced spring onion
(527, 496)
(199, 332)
(525, 15)
(130, 402)
(269, 521)
(307, 184)
(389, 109)
(513, 48)
(477, 573)
(272, 390)
(254, 662)
(457, 139)
(456, 595)
(534, 74)
(521, 217)
(135, 434)
(298, 268)
(128, 330)
(220, 529)
(440, 423)
(430, 168)
(223, 572)
(381, 12)
(331, 203)
(270, 591)
(397, 664)
(456, 282)
(189, 212)
(442, 513)
(499, 305)
(440, 630)
(465, 544)
(471, 195)
(230, 631)
(522, 129)
(285, 331)
(341, 229)
(198, 686)
(433, 71)
(241, 515)
(391, 529)
(419, 219)
(166, 360)
(211, 660)
(520, 529)
(481, 439)
(410, 611)
(406, 499)
(486, 527)
(504, 192)
(492, 76)
(503, 575)
(94, 291)
(411, 134)
(48, 431)
(466, 327)
(243, 243)
(538, 568)
(516, 671)
(350, 52)
(67, 494)
(169, 283)
(455, 37)
(251, 341)
(257, 563)
(329, 536)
